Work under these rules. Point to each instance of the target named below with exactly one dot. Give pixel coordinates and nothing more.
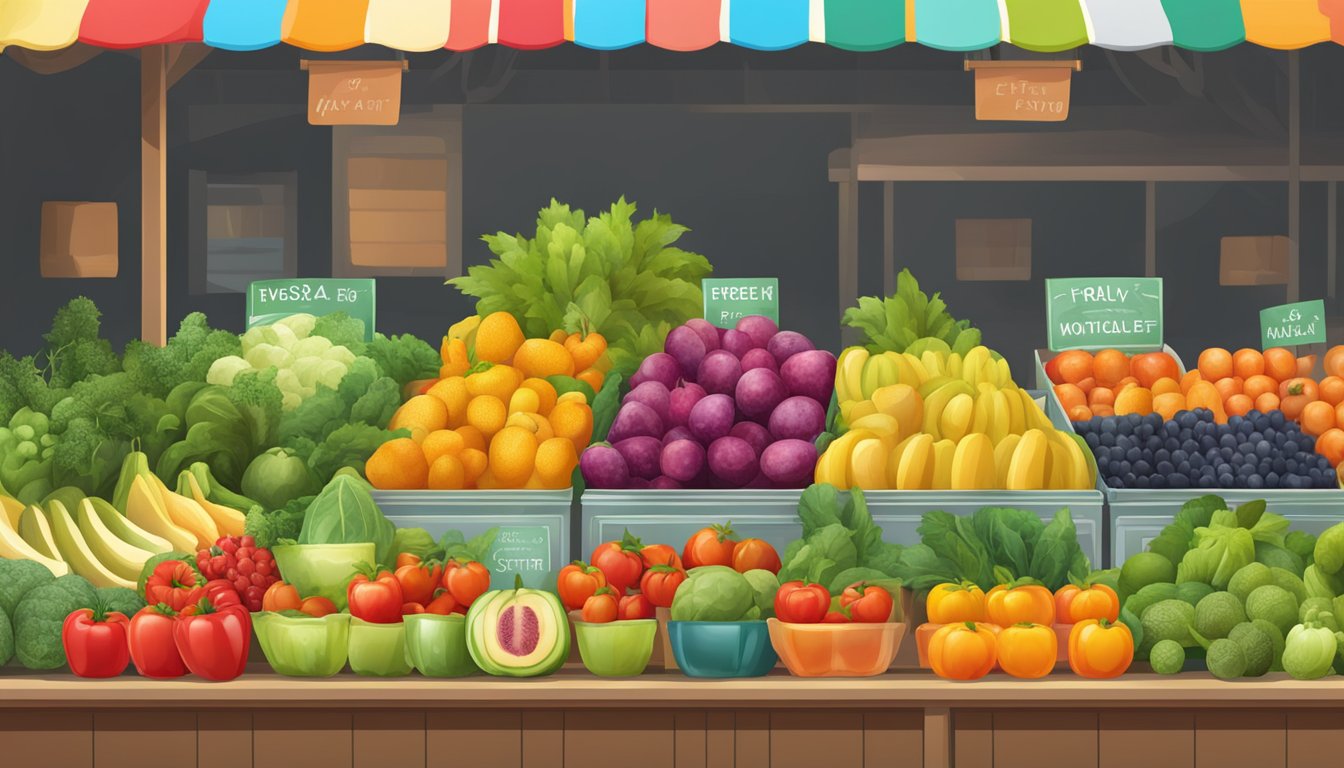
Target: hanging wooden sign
(354, 92)
(1029, 91)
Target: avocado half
(518, 632)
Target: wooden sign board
(354, 92)
(1028, 91)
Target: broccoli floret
(186, 357)
(405, 358)
(120, 599)
(341, 329)
(74, 350)
(18, 578)
(268, 528)
(259, 400)
(376, 406)
(40, 616)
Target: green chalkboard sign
(1104, 313)
(272, 300)
(730, 299)
(1292, 324)
(520, 549)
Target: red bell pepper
(214, 640)
(221, 593)
(800, 603)
(95, 645)
(377, 600)
(153, 649)
(173, 583)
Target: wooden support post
(888, 237)
(1294, 176)
(937, 737)
(849, 243)
(1150, 229)
(153, 195)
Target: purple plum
(641, 456)
(682, 460)
(810, 374)
(603, 467)
(759, 358)
(760, 328)
(786, 344)
(707, 333)
(664, 483)
(711, 418)
(757, 436)
(677, 433)
(680, 402)
(798, 417)
(688, 348)
(738, 343)
(660, 367)
(758, 392)
(733, 460)
(635, 419)
(653, 394)
(638, 484)
(789, 463)
(719, 372)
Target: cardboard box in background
(1253, 260)
(993, 249)
(79, 239)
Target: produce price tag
(1291, 324)
(522, 549)
(1122, 313)
(729, 300)
(272, 300)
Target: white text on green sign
(1096, 313)
(730, 299)
(1290, 324)
(521, 549)
(272, 300)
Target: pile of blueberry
(1258, 450)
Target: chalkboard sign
(1104, 313)
(729, 300)
(272, 300)
(1292, 324)
(520, 549)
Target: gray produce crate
(670, 517)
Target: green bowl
(437, 645)
(322, 569)
(617, 648)
(303, 646)
(378, 650)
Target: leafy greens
(896, 322)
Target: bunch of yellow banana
(859, 373)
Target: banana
(973, 364)
(127, 531)
(1027, 470)
(1000, 418)
(849, 372)
(944, 457)
(868, 464)
(186, 514)
(36, 531)
(75, 551)
(914, 472)
(121, 559)
(1089, 460)
(1005, 372)
(13, 547)
(1017, 414)
(933, 384)
(134, 465)
(833, 466)
(227, 519)
(973, 464)
(885, 426)
(934, 363)
(989, 374)
(983, 411)
(894, 459)
(144, 507)
(903, 402)
(10, 509)
(1003, 459)
(956, 418)
(1059, 470)
(936, 401)
(921, 373)
(859, 409)
(905, 371)
(878, 372)
(1080, 478)
(1035, 417)
(954, 366)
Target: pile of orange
(1111, 382)
(493, 423)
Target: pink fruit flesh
(519, 631)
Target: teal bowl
(437, 645)
(617, 648)
(721, 649)
(378, 650)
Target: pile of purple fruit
(734, 408)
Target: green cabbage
(275, 477)
(1219, 553)
(715, 593)
(345, 513)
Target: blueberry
(1171, 444)
(1123, 468)
(1207, 481)
(1245, 470)
(1179, 455)
(1234, 421)
(1280, 464)
(1245, 428)
(1226, 481)
(1291, 447)
(1263, 449)
(1237, 460)
(1276, 419)
(1153, 444)
(1264, 467)
(1161, 455)
(1133, 454)
(1092, 439)
(1179, 481)
(1164, 468)
(1184, 468)
(1227, 453)
(1272, 480)
(1106, 439)
(1141, 481)
(1143, 468)
(1108, 424)
(1114, 482)
(1323, 463)
(1291, 481)
(1186, 419)
(1291, 466)
(1124, 427)
(1255, 437)
(1255, 481)
(1157, 481)
(1239, 482)
(1117, 453)
(1172, 429)
(1129, 479)
(1227, 441)
(1190, 446)
(1206, 442)
(1315, 475)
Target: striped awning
(680, 25)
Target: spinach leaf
(953, 539)
(1055, 552)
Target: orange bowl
(836, 650)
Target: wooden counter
(670, 721)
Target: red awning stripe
(110, 24)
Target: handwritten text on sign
(1104, 312)
(1032, 94)
(354, 92)
(1290, 324)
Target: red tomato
(836, 617)
(601, 607)
(406, 558)
(466, 581)
(867, 603)
(96, 646)
(710, 546)
(418, 581)
(174, 584)
(577, 582)
(281, 597)
(152, 647)
(377, 601)
(659, 554)
(408, 609)
(635, 606)
(620, 563)
(754, 554)
(800, 603)
(443, 604)
(660, 583)
(317, 606)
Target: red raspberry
(238, 562)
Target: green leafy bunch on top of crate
(896, 322)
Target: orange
(1280, 364)
(497, 380)
(1306, 365)
(1169, 404)
(539, 358)
(546, 394)
(422, 412)
(453, 392)
(1080, 413)
(1087, 385)
(1189, 380)
(1204, 395)
(1259, 384)
(1247, 363)
(1103, 410)
(556, 460)
(487, 414)
(1239, 405)
(1267, 402)
(513, 456)
(447, 474)
(1332, 390)
(397, 465)
(498, 337)
(587, 350)
(1215, 363)
(1073, 365)
(1334, 361)
(443, 442)
(1317, 417)
(533, 422)
(1070, 396)
(474, 461)
(1166, 386)
(1101, 396)
(471, 437)
(1134, 400)
(1128, 381)
(1331, 445)
(1228, 387)
(1109, 366)
(1151, 366)
(593, 378)
(574, 422)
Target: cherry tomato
(659, 554)
(281, 597)
(710, 546)
(406, 558)
(601, 607)
(317, 606)
(577, 582)
(660, 583)
(418, 581)
(755, 554)
(800, 603)
(867, 603)
(636, 606)
(466, 581)
(620, 563)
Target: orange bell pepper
(1022, 604)
(962, 651)
(1100, 649)
(1028, 650)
